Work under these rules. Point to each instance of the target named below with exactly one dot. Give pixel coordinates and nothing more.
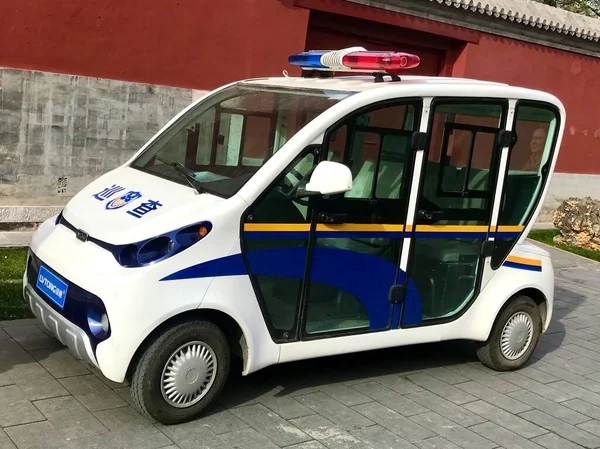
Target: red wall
(573, 78)
(188, 43)
(203, 44)
(318, 38)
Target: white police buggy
(281, 219)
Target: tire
(147, 393)
(519, 309)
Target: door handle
(333, 218)
(430, 215)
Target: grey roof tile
(534, 14)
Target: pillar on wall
(455, 61)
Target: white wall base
(565, 185)
(15, 239)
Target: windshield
(218, 145)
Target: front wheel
(514, 336)
(181, 372)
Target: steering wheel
(290, 186)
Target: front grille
(77, 302)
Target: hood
(127, 205)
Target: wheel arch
(540, 299)
(535, 294)
(230, 327)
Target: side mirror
(329, 178)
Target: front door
(453, 216)
(324, 267)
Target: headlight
(98, 323)
(159, 248)
(154, 250)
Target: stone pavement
(425, 397)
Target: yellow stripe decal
(451, 228)
(276, 227)
(359, 227)
(285, 227)
(524, 261)
(511, 228)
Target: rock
(578, 220)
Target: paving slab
(422, 397)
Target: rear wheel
(182, 372)
(514, 336)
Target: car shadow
(295, 378)
(566, 303)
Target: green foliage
(547, 236)
(12, 263)
(589, 8)
(12, 266)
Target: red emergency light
(355, 59)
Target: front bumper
(134, 300)
(66, 332)
(69, 324)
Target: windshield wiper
(179, 168)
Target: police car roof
(360, 83)
(411, 85)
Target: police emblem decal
(123, 200)
(144, 208)
(107, 192)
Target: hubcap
(516, 336)
(188, 374)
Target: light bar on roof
(355, 59)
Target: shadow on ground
(32, 344)
(299, 377)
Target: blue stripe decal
(225, 266)
(282, 262)
(506, 235)
(453, 235)
(412, 310)
(364, 276)
(360, 234)
(522, 266)
(268, 235)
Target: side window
(457, 186)
(529, 161)
(459, 174)
(279, 204)
(243, 139)
(375, 145)
(275, 237)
